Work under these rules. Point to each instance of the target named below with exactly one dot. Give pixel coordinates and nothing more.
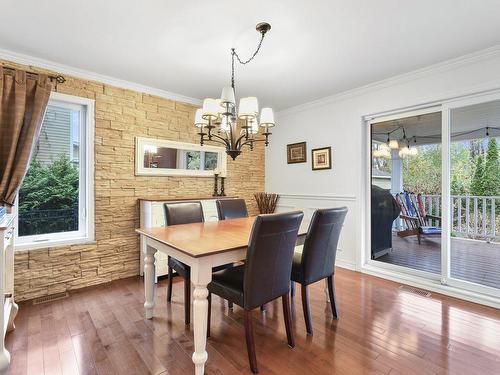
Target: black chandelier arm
(238, 141)
(251, 141)
(220, 140)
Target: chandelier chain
(235, 54)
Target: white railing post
(474, 233)
(493, 218)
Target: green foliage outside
(50, 187)
(474, 171)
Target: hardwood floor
(381, 330)
(471, 260)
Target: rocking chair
(417, 221)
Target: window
(55, 201)
(201, 160)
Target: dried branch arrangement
(266, 202)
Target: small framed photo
(296, 153)
(321, 158)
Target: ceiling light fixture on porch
(221, 121)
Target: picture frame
(296, 153)
(321, 158)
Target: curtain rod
(58, 78)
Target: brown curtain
(23, 100)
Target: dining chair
(317, 259)
(177, 213)
(231, 209)
(264, 277)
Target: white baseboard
(345, 264)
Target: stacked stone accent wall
(120, 116)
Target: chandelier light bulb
(394, 144)
(384, 147)
(405, 151)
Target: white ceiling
(316, 48)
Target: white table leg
(201, 275)
(149, 281)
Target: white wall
(337, 121)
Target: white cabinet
(9, 310)
(153, 215)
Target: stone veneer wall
(120, 116)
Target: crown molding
(92, 76)
(395, 80)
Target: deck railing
(472, 216)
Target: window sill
(54, 243)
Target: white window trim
(86, 232)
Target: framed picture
(321, 158)
(296, 153)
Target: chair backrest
(320, 245)
(183, 213)
(231, 209)
(269, 257)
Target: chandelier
(221, 121)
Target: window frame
(86, 203)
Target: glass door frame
(366, 259)
(447, 108)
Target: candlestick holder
(222, 192)
(216, 187)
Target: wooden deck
(471, 260)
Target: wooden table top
(203, 239)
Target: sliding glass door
(473, 184)
(434, 193)
(406, 192)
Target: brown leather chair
(231, 209)
(265, 275)
(183, 213)
(317, 260)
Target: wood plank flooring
(471, 260)
(381, 330)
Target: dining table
(201, 246)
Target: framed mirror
(159, 157)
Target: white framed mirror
(159, 157)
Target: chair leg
(209, 317)
(263, 307)
(229, 305)
(169, 288)
(187, 300)
(252, 358)
(287, 314)
(292, 288)
(331, 294)
(305, 307)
